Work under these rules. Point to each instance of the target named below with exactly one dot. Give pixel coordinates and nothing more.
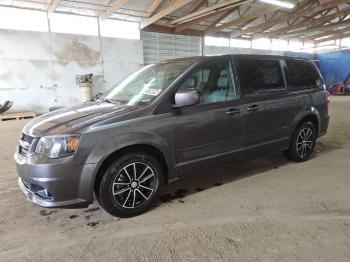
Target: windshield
(146, 84)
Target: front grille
(22, 151)
(24, 144)
(27, 138)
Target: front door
(210, 133)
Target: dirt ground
(264, 210)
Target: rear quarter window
(302, 75)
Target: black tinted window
(260, 75)
(302, 74)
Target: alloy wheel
(305, 142)
(133, 185)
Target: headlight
(58, 146)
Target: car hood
(73, 119)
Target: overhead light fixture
(279, 3)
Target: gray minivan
(167, 121)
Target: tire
(303, 143)
(126, 193)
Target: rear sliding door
(268, 109)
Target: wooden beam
(315, 36)
(324, 33)
(181, 27)
(334, 37)
(153, 7)
(197, 6)
(175, 5)
(319, 21)
(323, 14)
(248, 17)
(298, 12)
(273, 21)
(219, 19)
(316, 29)
(53, 5)
(171, 30)
(228, 4)
(114, 8)
(305, 8)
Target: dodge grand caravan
(167, 121)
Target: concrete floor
(264, 210)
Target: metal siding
(158, 47)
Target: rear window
(302, 75)
(260, 76)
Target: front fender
(107, 147)
(111, 145)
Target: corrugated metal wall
(158, 47)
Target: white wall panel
(24, 45)
(38, 70)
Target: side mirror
(185, 98)
(97, 96)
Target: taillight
(328, 98)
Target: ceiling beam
(316, 29)
(318, 21)
(219, 19)
(197, 6)
(189, 24)
(181, 27)
(315, 36)
(171, 30)
(273, 21)
(228, 4)
(175, 5)
(245, 18)
(153, 7)
(305, 7)
(53, 5)
(302, 10)
(114, 8)
(328, 32)
(334, 37)
(323, 14)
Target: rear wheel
(303, 143)
(130, 185)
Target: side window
(213, 82)
(257, 76)
(302, 75)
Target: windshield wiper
(111, 101)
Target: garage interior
(268, 209)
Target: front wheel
(303, 143)
(130, 185)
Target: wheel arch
(314, 118)
(150, 149)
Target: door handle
(233, 111)
(253, 108)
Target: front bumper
(55, 182)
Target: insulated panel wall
(158, 47)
